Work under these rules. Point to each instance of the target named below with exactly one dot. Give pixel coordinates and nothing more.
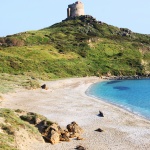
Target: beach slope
(65, 101)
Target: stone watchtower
(75, 9)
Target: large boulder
(74, 129)
(52, 134)
(54, 137)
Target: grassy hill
(80, 46)
(18, 129)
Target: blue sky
(23, 15)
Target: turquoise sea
(132, 95)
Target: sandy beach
(65, 101)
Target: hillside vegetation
(15, 133)
(80, 46)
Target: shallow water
(133, 95)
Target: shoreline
(66, 101)
(120, 107)
(117, 105)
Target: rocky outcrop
(52, 132)
(125, 32)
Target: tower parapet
(75, 9)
